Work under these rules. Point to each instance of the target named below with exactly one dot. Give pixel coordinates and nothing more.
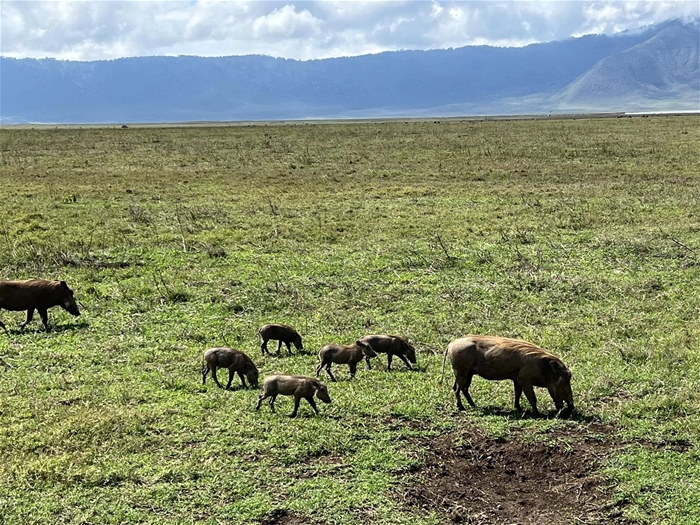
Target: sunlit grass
(580, 236)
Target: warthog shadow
(68, 327)
(238, 386)
(53, 328)
(421, 369)
(512, 414)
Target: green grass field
(582, 236)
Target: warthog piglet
(235, 361)
(297, 386)
(344, 354)
(281, 333)
(391, 345)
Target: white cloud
(286, 22)
(89, 30)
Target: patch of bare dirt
(677, 445)
(473, 479)
(283, 517)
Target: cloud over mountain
(94, 30)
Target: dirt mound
(473, 479)
(283, 517)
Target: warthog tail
(444, 358)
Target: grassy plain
(582, 236)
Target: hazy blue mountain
(657, 65)
(666, 66)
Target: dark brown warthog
(37, 295)
(392, 345)
(497, 358)
(342, 354)
(281, 333)
(235, 361)
(297, 386)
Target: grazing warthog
(342, 354)
(497, 358)
(235, 361)
(281, 333)
(37, 295)
(392, 345)
(297, 386)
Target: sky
(99, 29)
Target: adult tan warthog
(497, 358)
(36, 294)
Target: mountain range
(656, 68)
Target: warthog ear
(557, 367)
(63, 284)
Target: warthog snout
(566, 412)
(252, 377)
(322, 394)
(69, 303)
(366, 349)
(71, 307)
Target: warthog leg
(213, 376)
(297, 399)
(462, 385)
(327, 367)
(530, 395)
(30, 316)
(311, 401)
(403, 358)
(460, 406)
(518, 393)
(44, 314)
(231, 375)
(465, 389)
(262, 397)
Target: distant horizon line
(349, 120)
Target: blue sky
(95, 30)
